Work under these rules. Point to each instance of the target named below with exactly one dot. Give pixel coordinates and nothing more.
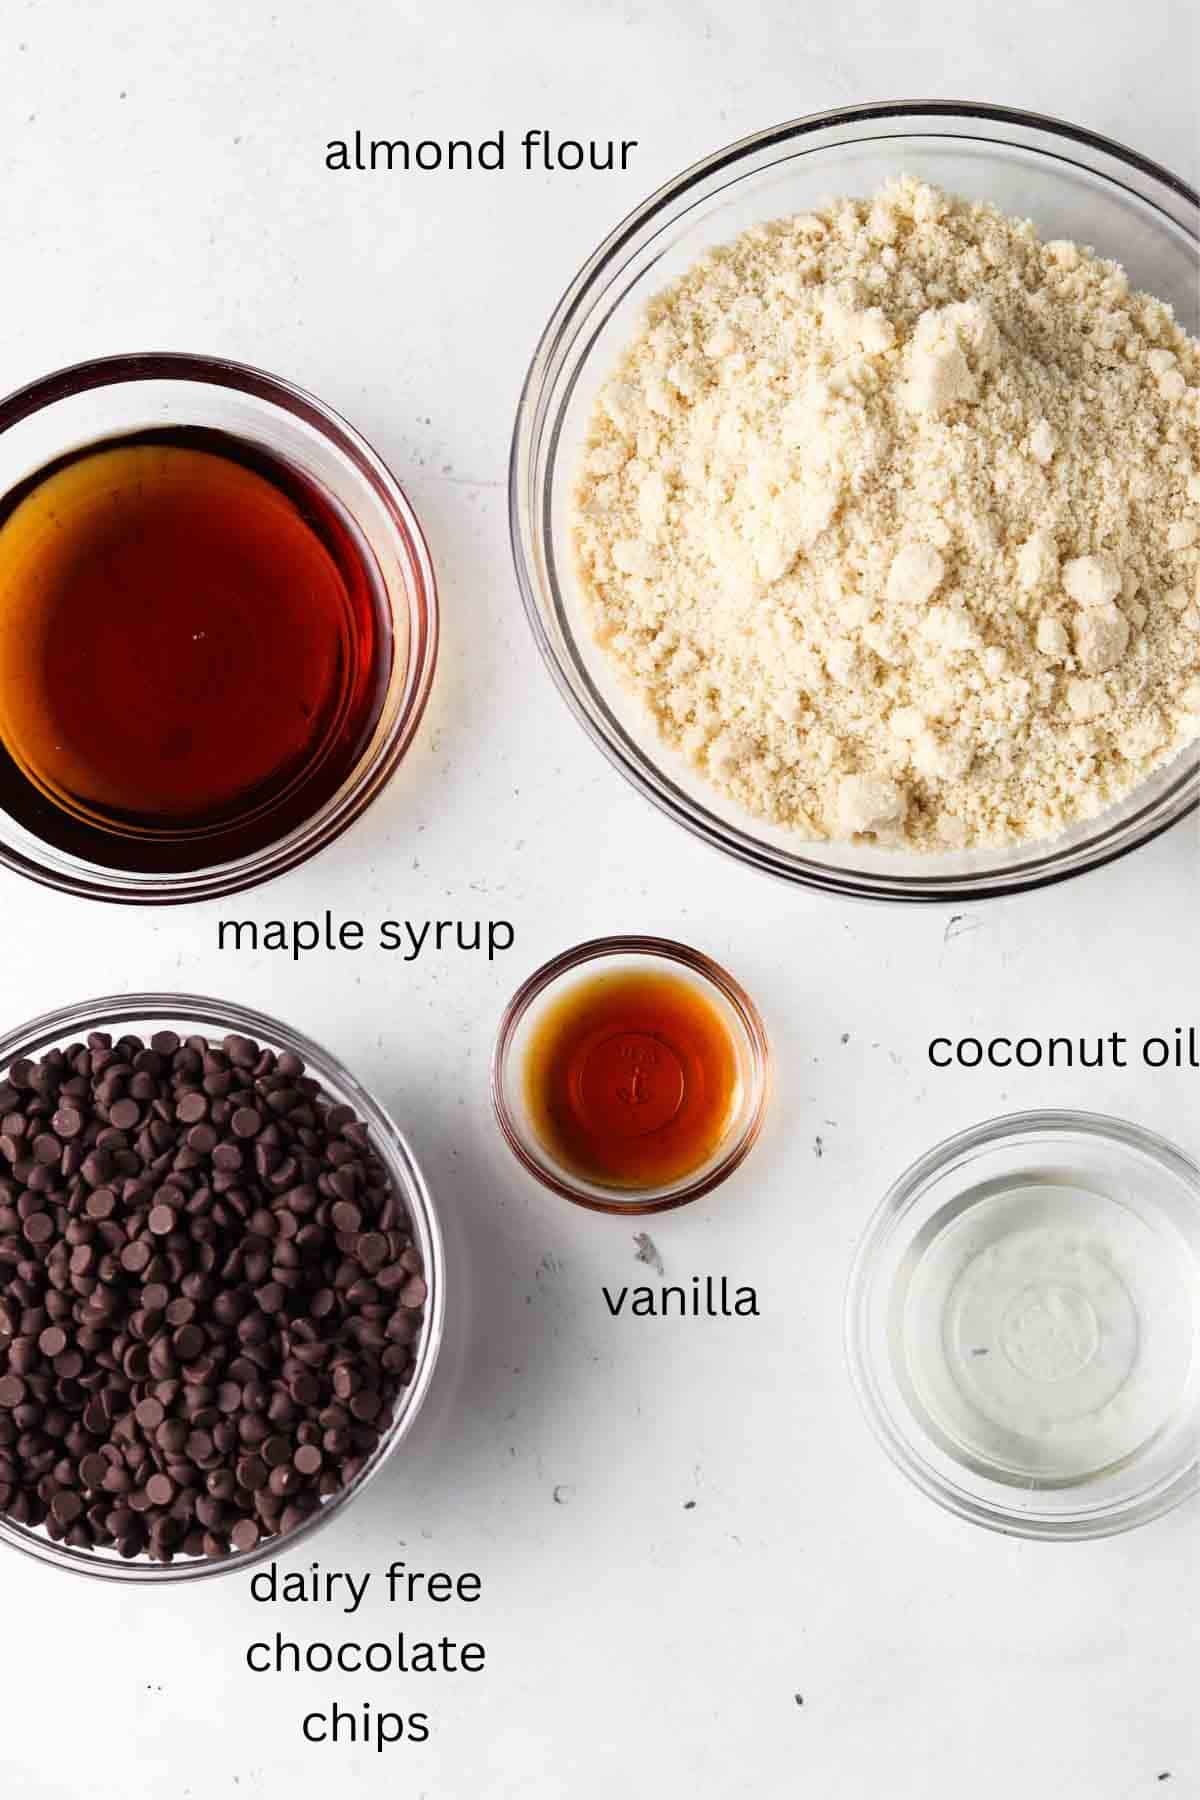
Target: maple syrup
(631, 1078)
(194, 648)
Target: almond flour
(891, 513)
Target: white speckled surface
(682, 1528)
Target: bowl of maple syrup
(631, 1074)
(218, 627)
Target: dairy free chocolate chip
(209, 1294)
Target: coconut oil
(1045, 1331)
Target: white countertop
(684, 1530)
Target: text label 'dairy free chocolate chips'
(209, 1294)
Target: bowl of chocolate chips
(221, 1284)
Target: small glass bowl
(1157, 1190)
(187, 1013)
(117, 395)
(1073, 184)
(547, 985)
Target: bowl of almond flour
(855, 499)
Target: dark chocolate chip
(207, 1295)
(244, 1535)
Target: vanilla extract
(631, 1077)
(707, 1297)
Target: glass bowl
(188, 1013)
(118, 395)
(547, 985)
(1023, 1325)
(1073, 184)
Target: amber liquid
(193, 650)
(630, 1078)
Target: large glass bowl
(1072, 184)
(116, 396)
(188, 1013)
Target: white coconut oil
(1046, 1331)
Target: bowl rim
(597, 950)
(316, 833)
(131, 1009)
(529, 526)
(1108, 1518)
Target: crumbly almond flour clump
(891, 512)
